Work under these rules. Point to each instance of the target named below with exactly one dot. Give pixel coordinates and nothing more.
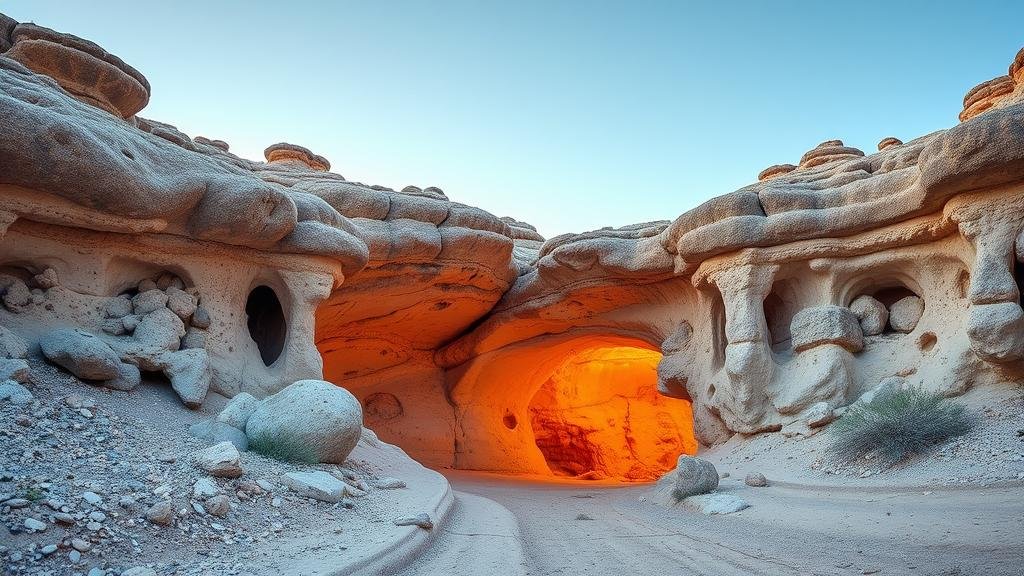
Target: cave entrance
(599, 416)
(267, 326)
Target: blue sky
(571, 115)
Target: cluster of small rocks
(161, 328)
(17, 295)
(84, 491)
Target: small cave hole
(509, 420)
(128, 154)
(267, 326)
(927, 341)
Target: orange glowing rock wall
(600, 415)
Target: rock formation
(470, 339)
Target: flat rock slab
(317, 485)
(716, 503)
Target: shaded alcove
(266, 322)
(598, 415)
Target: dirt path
(573, 529)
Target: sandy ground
(571, 529)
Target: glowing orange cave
(599, 415)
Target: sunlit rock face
(471, 340)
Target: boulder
(118, 307)
(318, 485)
(872, 314)
(156, 334)
(81, 353)
(14, 369)
(693, 476)
(827, 324)
(717, 503)
(221, 460)
(15, 393)
(128, 377)
(216, 432)
(46, 279)
(17, 296)
(180, 302)
(905, 313)
(204, 488)
(145, 302)
(756, 480)
(194, 338)
(237, 411)
(12, 345)
(161, 513)
(189, 373)
(218, 506)
(318, 414)
(201, 318)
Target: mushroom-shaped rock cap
(985, 95)
(776, 170)
(83, 68)
(1017, 66)
(828, 151)
(284, 153)
(888, 142)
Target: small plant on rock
(897, 424)
(283, 448)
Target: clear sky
(571, 115)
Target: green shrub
(897, 424)
(283, 448)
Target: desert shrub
(897, 424)
(283, 448)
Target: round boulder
(694, 476)
(905, 313)
(317, 414)
(871, 313)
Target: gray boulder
(217, 432)
(14, 369)
(180, 302)
(238, 410)
(201, 318)
(12, 345)
(189, 373)
(145, 302)
(81, 353)
(15, 393)
(118, 307)
(128, 377)
(221, 460)
(693, 476)
(324, 417)
(717, 503)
